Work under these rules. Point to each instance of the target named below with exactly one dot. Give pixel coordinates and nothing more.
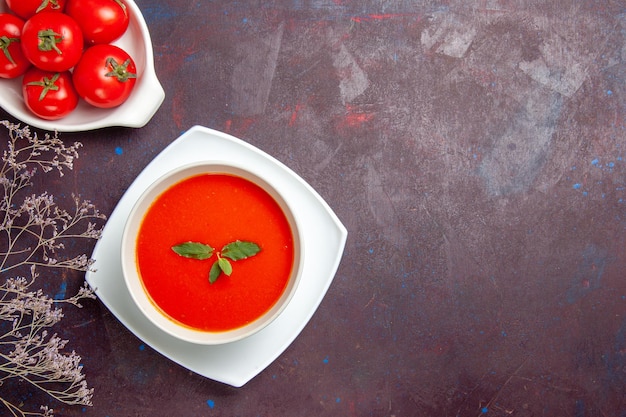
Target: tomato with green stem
(28, 8)
(49, 95)
(52, 41)
(105, 76)
(102, 21)
(12, 60)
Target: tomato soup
(215, 209)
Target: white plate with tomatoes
(135, 109)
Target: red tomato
(52, 41)
(105, 76)
(102, 21)
(49, 95)
(27, 8)
(12, 60)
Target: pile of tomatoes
(63, 51)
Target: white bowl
(133, 279)
(143, 102)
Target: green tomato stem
(5, 42)
(54, 5)
(48, 40)
(118, 71)
(48, 84)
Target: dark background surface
(475, 152)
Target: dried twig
(35, 230)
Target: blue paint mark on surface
(580, 408)
(142, 347)
(337, 400)
(371, 250)
(615, 360)
(158, 13)
(325, 359)
(61, 294)
(191, 57)
(595, 162)
(119, 150)
(577, 186)
(484, 410)
(589, 275)
(609, 92)
(210, 403)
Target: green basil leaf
(215, 272)
(193, 250)
(225, 266)
(240, 250)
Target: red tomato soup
(214, 209)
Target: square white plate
(324, 238)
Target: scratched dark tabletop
(475, 152)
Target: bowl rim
(132, 278)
